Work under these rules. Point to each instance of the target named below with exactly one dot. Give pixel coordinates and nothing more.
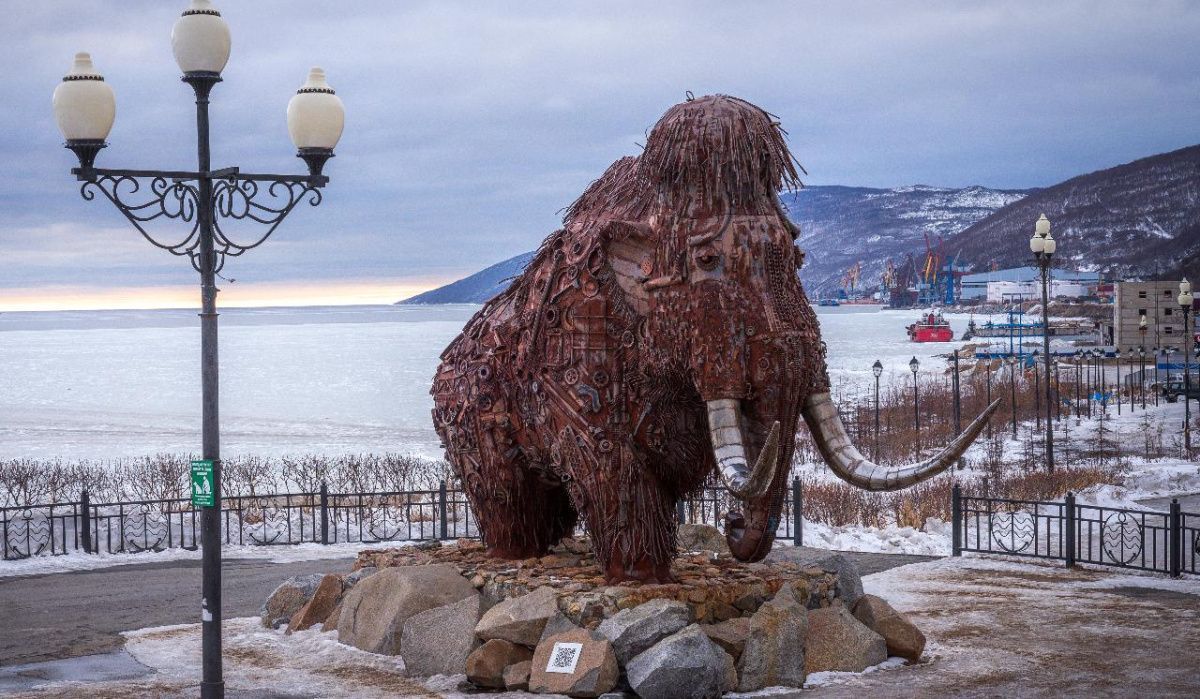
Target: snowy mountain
(478, 287)
(1136, 219)
(839, 226)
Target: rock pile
(550, 625)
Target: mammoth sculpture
(660, 335)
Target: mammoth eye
(707, 259)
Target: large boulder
(556, 625)
(903, 639)
(288, 598)
(633, 630)
(729, 680)
(438, 641)
(520, 620)
(595, 672)
(700, 537)
(849, 581)
(325, 598)
(774, 652)
(838, 641)
(730, 635)
(684, 665)
(486, 664)
(375, 611)
(516, 676)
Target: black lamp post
(1157, 387)
(1043, 247)
(1078, 382)
(877, 370)
(1012, 385)
(1037, 391)
(1185, 305)
(206, 201)
(913, 366)
(1117, 356)
(1142, 372)
(989, 394)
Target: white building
(1010, 291)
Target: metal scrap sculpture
(660, 335)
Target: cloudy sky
(469, 125)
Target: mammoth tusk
(850, 465)
(725, 428)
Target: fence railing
(281, 519)
(1073, 533)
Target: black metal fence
(286, 519)
(1162, 542)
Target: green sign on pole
(202, 483)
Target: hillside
(839, 226)
(478, 287)
(843, 225)
(1136, 219)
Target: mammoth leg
(630, 516)
(520, 515)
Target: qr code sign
(564, 657)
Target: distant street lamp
(1078, 382)
(989, 392)
(85, 107)
(1012, 385)
(1117, 354)
(1043, 247)
(1037, 391)
(877, 370)
(1157, 388)
(913, 366)
(1142, 372)
(1185, 304)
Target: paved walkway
(63, 615)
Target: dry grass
(841, 504)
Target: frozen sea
(322, 380)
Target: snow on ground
(77, 560)
(934, 541)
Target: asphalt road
(63, 615)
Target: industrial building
(1154, 301)
(975, 286)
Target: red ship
(932, 327)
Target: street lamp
(1142, 371)
(1157, 388)
(1043, 247)
(1117, 356)
(1078, 382)
(1037, 391)
(913, 366)
(1185, 305)
(877, 370)
(205, 201)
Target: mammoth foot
(512, 553)
(644, 570)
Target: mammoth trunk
(758, 483)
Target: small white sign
(564, 657)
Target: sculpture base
(715, 587)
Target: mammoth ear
(632, 247)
